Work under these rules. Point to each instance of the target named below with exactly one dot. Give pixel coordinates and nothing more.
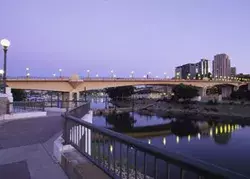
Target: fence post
(43, 105)
(66, 133)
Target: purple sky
(123, 35)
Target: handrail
(24, 106)
(21, 78)
(81, 135)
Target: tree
(118, 92)
(214, 90)
(18, 94)
(185, 92)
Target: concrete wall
(23, 115)
(3, 105)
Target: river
(223, 144)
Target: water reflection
(121, 122)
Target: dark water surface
(224, 144)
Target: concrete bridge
(71, 87)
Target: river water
(223, 144)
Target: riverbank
(196, 110)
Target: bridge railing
(120, 79)
(121, 156)
(26, 106)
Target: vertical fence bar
(144, 165)
(121, 163)
(135, 163)
(127, 162)
(167, 171)
(87, 141)
(108, 154)
(155, 168)
(114, 149)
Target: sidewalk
(26, 148)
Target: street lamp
(165, 75)
(132, 74)
(88, 72)
(28, 75)
(112, 73)
(5, 44)
(27, 71)
(96, 75)
(54, 75)
(60, 71)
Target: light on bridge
(177, 139)
(199, 136)
(189, 138)
(111, 148)
(1, 72)
(149, 141)
(164, 140)
(96, 75)
(211, 132)
(54, 75)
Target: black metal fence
(26, 106)
(121, 156)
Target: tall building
(202, 67)
(178, 72)
(233, 71)
(185, 71)
(188, 71)
(221, 66)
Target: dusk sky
(123, 35)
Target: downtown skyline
(141, 36)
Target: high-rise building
(178, 72)
(188, 71)
(185, 71)
(233, 71)
(202, 67)
(221, 66)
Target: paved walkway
(26, 148)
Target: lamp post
(88, 73)
(165, 75)
(149, 73)
(96, 75)
(27, 71)
(60, 71)
(54, 75)
(112, 73)
(28, 75)
(132, 74)
(5, 44)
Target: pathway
(26, 148)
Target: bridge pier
(227, 91)
(68, 99)
(202, 92)
(248, 86)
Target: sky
(122, 35)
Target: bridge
(72, 86)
